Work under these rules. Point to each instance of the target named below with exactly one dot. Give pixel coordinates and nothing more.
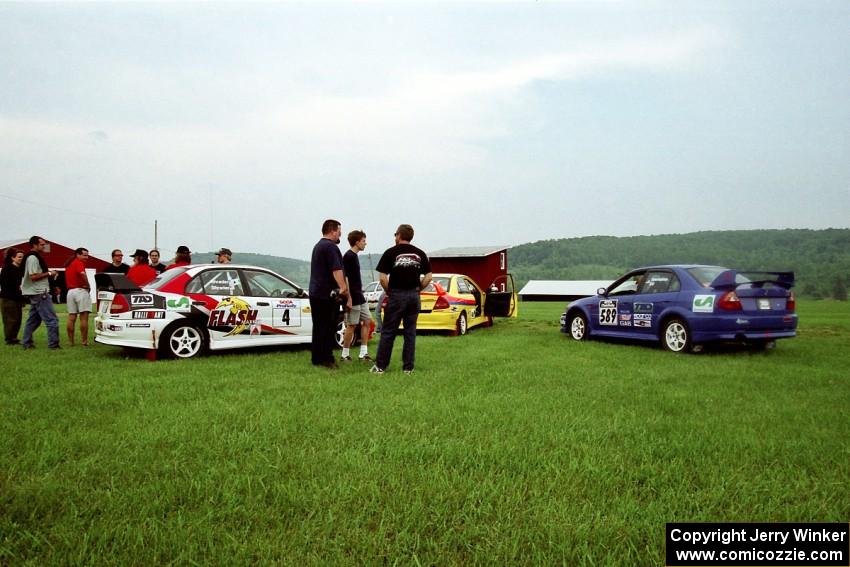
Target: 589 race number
(608, 312)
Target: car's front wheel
(182, 341)
(676, 337)
(578, 327)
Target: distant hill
(296, 270)
(820, 258)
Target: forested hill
(820, 258)
(296, 270)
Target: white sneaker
(376, 370)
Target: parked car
(455, 303)
(190, 309)
(686, 306)
(372, 291)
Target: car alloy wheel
(676, 336)
(578, 327)
(462, 326)
(184, 341)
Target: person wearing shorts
(79, 296)
(357, 310)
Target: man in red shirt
(140, 273)
(183, 257)
(79, 296)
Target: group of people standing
(26, 278)
(335, 281)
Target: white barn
(560, 290)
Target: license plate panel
(763, 304)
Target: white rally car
(189, 309)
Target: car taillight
(791, 303)
(441, 303)
(730, 302)
(119, 304)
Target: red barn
(56, 255)
(484, 264)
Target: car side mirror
(302, 294)
(601, 291)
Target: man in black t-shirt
(401, 267)
(357, 308)
(117, 266)
(326, 283)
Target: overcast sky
(246, 125)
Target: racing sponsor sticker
(703, 304)
(643, 307)
(139, 325)
(608, 312)
(232, 314)
(643, 320)
(141, 300)
(625, 319)
(179, 304)
(148, 314)
(285, 304)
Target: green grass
(511, 445)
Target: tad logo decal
(703, 304)
(232, 314)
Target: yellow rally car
(455, 303)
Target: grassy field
(511, 445)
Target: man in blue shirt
(327, 287)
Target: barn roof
(563, 287)
(466, 251)
(6, 243)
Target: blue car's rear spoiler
(727, 279)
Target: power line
(65, 210)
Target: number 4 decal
(286, 317)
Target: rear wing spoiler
(118, 283)
(728, 279)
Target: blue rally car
(687, 306)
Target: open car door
(502, 297)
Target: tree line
(819, 258)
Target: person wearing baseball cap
(223, 256)
(183, 257)
(140, 273)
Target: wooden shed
(484, 264)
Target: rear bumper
(438, 321)
(744, 327)
(117, 332)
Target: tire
(675, 336)
(339, 336)
(182, 341)
(766, 346)
(462, 324)
(578, 327)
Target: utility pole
(155, 234)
